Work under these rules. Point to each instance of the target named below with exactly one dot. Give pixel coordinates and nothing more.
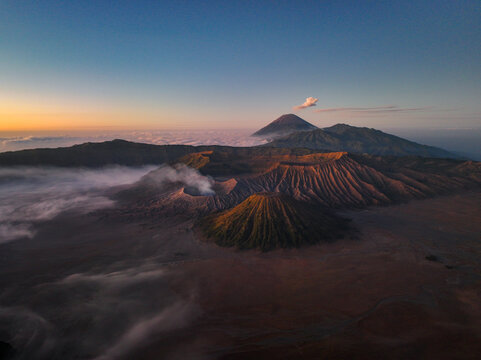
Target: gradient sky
(238, 64)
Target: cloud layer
(30, 195)
(158, 137)
(310, 101)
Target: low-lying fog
(29, 195)
(93, 315)
(53, 308)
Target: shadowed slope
(284, 125)
(118, 152)
(271, 220)
(121, 152)
(360, 140)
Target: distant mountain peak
(288, 118)
(285, 125)
(340, 126)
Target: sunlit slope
(330, 180)
(339, 182)
(271, 220)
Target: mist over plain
(32, 196)
(29, 195)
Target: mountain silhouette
(284, 125)
(361, 140)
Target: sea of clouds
(191, 137)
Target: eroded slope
(332, 180)
(271, 220)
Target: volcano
(285, 125)
(334, 180)
(271, 220)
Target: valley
(407, 283)
(218, 252)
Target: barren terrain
(406, 286)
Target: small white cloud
(310, 101)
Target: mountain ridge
(122, 152)
(343, 137)
(329, 180)
(340, 137)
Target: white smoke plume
(310, 101)
(181, 173)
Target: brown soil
(374, 297)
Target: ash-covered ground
(91, 287)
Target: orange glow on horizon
(16, 121)
(48, 115)
(35, 117)
(56, 113)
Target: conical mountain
(271, 220)
(285, 125)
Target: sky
(139, 65)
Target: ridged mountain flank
(361, 140)
(328, 180)
(267, 221)
(284, 125)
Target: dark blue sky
(239, 63)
